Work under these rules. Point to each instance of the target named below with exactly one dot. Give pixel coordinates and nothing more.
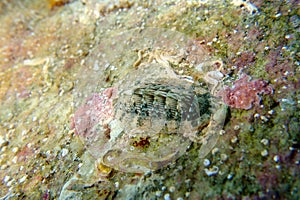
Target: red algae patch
(97, 109)
(245, 93)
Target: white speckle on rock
(256, 115)
(229, 176)
(251, 8)
(64, 152)
(277, 15)
(222, 132)
(48, 153)
(34, 118)
(291, 148)
(224, 157)
(80, 164)
(212, 171)
(24, 132)
(234, 67)
(206, 162)
(3, 167)
(29, 145)
(276, 158)
(264, 142)
(172, 189)
(15, 149)
(215, 151)
(187, 194)
(6, 179)
(11, 126)
(236, 127)
(10, 183)
(264, 153)
(158, 193)
(2, 141)
(167, 196)
(15, 159)
(234, 140)
(264, 118)
(21, 180)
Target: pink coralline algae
(245, 93)
(98, 109)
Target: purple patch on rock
(97, 110)
(245, 93)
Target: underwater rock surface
(56, 55)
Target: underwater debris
(245, 93)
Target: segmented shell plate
(162, 106)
